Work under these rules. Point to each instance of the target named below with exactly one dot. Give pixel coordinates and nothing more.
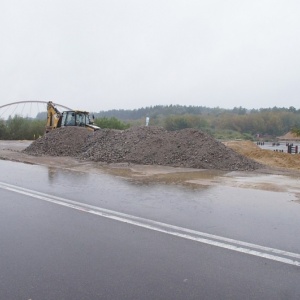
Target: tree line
(168, 110)
(19, 128)
(228, 125)
(220, 123)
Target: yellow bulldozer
(56, 119)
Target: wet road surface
(110, 243)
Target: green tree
(19, 128)
(3, 130)
(112, 123)
(296, 131)
(175, 122)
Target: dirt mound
(143, 145)
(266, 157)
(66, 141)
(290, 136)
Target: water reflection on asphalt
(264, 217)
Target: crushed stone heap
(64, 141)
(189, 148)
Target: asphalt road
(118, 239)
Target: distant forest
(222, 123)
(167, 110)
(236, 123)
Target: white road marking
(177, 231)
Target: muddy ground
(273, 176)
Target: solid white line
(161, 227)
(156, 223)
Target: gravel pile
(65, 141)
(188, 148)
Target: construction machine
(56, 119)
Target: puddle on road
(222, 203)
(276, 183)
(175, 177)
(197, 179)
(218, 204)
(189, 178)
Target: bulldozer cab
(75, 118)
(56, 119)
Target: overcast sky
(126, 54)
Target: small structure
(292, 149)
(147, 121)
(291, 140)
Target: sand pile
(142, 145)
(267, 157)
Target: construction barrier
(292, 149)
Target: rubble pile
(66, 141)
(151, 145)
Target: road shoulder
(270, 179)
